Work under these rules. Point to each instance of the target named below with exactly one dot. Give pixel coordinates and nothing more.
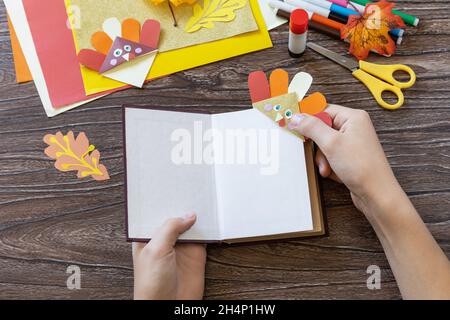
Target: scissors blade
(343, 61)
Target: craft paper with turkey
(123, 52)
(280, 100)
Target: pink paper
(56, 51)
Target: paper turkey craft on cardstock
(279, 100)
(123, 52)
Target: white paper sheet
(269, 197)
(158, 188)
(270, 18)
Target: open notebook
(247, 179)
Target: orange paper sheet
(20, 64)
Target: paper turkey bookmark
(123, 52)
(280, 101)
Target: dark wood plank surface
(50, 220)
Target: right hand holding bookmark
(350, 152)
(279, 100)
(164, 270)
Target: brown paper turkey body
(120, 43)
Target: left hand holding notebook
(165, 271)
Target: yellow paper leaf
(75, 155)
(213, 11)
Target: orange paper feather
(101, 42)
(131, 30)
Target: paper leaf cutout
(371, 30)
(75, 155)
(213, 11)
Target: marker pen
(321, 7)
(316, 21)
(407, 18)
(284, 10)
(317, 10)
(298, 32)
(340, 2)
(353, 5)
(281, 5)
(333, 7)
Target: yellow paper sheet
(94, 12)
(189, 57)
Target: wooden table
(50, 220)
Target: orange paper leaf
(371, 30)
(75, 155)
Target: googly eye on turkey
(277, 107)
(127, 48)
(118, 53)
(288, 113)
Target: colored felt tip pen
(354, 6)
(340, 2)
(281, 6)
(333, 7)
(284, 10)
(345, 12)
(298, 32)
(316, 9)
(407, 18)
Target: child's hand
(350, 153)
(164, 270)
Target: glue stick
(298, 32)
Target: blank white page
(157, 187)
(251, 203)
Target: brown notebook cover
(319, 218)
